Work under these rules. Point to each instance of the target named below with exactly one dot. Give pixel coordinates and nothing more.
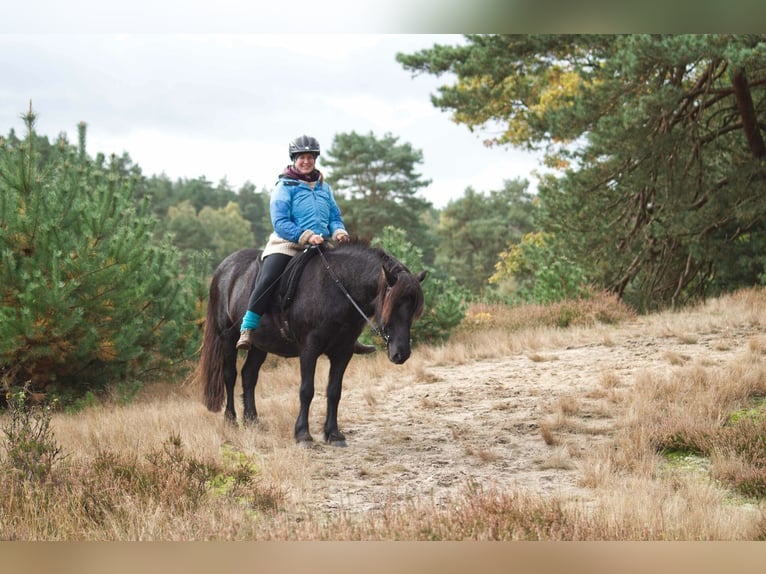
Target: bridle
(381, 332)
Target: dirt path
(481, 424)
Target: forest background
(655, 192)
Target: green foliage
(744, 440)
(474, 229)
(656, 141)
(171, 477)
(241, 470)
(445, 300)
(198, 192)
(379, 178)
(538, 272)
(755, 412)
(212, 233)
(87, 297)
(30, 444)
(254, 206)
(75, 400)
(206, 223)
(741, 440)
(177, 478)
(517, 83)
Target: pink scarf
(293, 173)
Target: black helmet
(303, 144)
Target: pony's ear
(420, 276)
(391, 277)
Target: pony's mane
(407, 286)
(292, 274)
(389, 261)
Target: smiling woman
(304, 214)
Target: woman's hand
(316, 239)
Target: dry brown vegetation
(579, 421)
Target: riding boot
(245, 341)
(362, 349)
(249, 323)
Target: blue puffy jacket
(297, 206)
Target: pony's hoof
(304, 440)
(336, 439)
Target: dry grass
(690, 412)
(162, 468)
(599, 308)
(609, 380)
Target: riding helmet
(303, 144)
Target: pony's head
(400, 302)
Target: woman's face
(304, 163)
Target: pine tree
(86, 296)
(657, 145)
(380, 178)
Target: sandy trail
(431, 436)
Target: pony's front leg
(308, 367)
(255, 358)
(338, 366)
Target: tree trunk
(747, 112)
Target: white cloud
(381, 113)
(203, 16)
(227, 105)
(330, 47)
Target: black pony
(324, 312)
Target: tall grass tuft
(31, 449)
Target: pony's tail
(210, 367)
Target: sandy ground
(429, 436)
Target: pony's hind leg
(229, 379)
(255, 358)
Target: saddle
(288, 287)
(288, 284)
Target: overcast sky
(226, 106)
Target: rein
(335, 278)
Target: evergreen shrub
(87, 296)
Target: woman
(303, 213)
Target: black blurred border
(383, 557)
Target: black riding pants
(266, 282)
